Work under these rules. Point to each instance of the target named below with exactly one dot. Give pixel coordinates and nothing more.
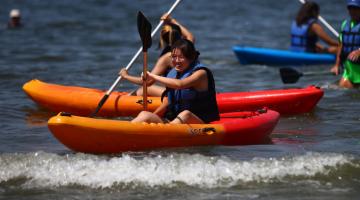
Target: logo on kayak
(202, 131)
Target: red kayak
(83, 101)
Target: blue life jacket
(300, 39)
(202, 104)
(350, 38)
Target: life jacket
(350, 38)
(202, 104)
(300, 39)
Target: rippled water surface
(85, 43)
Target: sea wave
(42, 169)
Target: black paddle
(290, 75)
(144, 28)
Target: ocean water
(312, 156)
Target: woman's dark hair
(307, 11)
(187, 48)
(169, 34)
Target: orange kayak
(104, 136)
(83, 101)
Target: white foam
(45, 169)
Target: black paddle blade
(144, 28)
(289, 75)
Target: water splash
(51, 170)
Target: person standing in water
(349, 51)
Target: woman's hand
(149, 75)
(335, 70)
(149, 78)
(167, 18)
(123, 73)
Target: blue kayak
(254, 55)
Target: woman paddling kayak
(190, 88)
(306, 31)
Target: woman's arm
(184, 31)
(162, 64)
(160, 111)
(159, 69)
(134, 79)
(319, 31)
(197, 80)
(336, 67)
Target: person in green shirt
(349, 51)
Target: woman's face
(179, 61)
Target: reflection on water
(37, 116)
